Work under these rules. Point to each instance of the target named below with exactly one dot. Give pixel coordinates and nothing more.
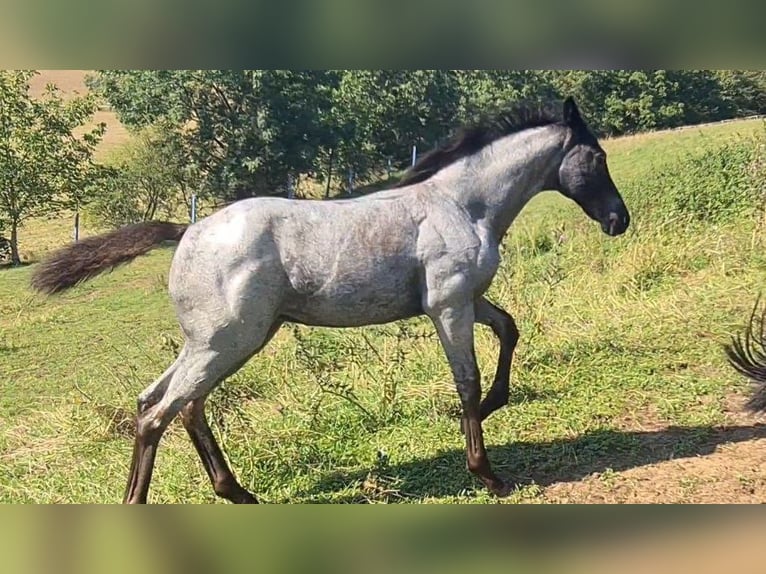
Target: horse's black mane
(470, 138)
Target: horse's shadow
(540, 463)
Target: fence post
(414, 154)
(76, 232)
(350, 180)
(194, 208)
(290, 190)
(389, 168)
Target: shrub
(711, 186)
(144, 179)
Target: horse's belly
(322, 315)
(353, 305)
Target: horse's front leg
(504, 328)
(454, 325)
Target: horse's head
(584, 176)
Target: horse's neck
(495, 184)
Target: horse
(428, 245)
(746, 353)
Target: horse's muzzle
(616, 223)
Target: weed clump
(714, 186)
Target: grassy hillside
(71, 83)
(620, 389)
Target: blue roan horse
(428, 246)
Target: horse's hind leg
(148, 398)
(198, 369)
(224, 482)
(193, 417)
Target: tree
(243, 131)
(624, 101)
(487, 89)
(743, 90)
(144, 177)
(246, 131)
(383, 113)
(44, 166)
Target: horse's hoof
(502, 490)
(248, 498)
(244, 497)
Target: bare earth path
(729, 469)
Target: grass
(619, 371)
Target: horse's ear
(572, 116)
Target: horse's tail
(84, 260)
(747, 354)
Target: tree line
(230, 134)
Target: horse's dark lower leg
(221, 476)
(455, 325)
(193, 417)
(196, 371)
(504, 328)
(148, 436)
(476, 454)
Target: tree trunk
(151, 207)
(15, 259)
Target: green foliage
(744, 91)
(246, 131)
(44, 166)
(382, 114)
(625, 101)
(711, 186)
(143, 179)
(334, 359)
(487, 89)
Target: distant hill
(68, 81)
(71, 83)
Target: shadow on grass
(7, 266)
(544, 463)
(7, 349)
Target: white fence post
(414, 154)
(194, 208)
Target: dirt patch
(70, 82)
(735, 473)
(729, 467)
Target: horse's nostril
(615, 223)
